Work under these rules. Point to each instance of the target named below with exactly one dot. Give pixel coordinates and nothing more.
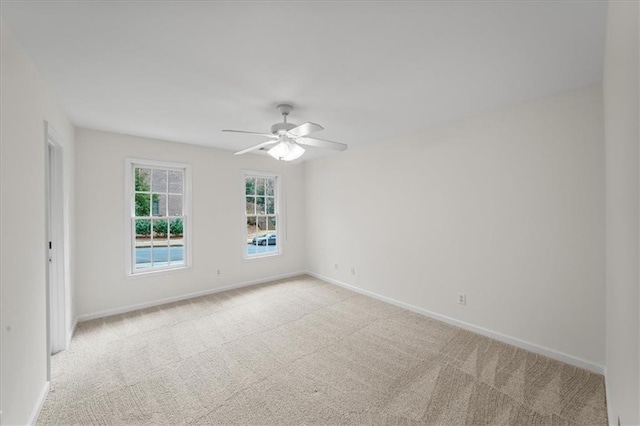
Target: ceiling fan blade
(305, 129)
(321, 143)
(269, 135)
(255, 147)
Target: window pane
(271, 208)
(271, 223)
(176, 255)
(143, 179)
(176, 229)
(143, 257)
(176, 182)
(251, 227)
(270, 185)
(159, 204)
(262, 225)
(160, 230)
(143, 205)
(250, 205)
(176, 242)
(159, 181)
(175, 205)
(143, 230)
(160, 254)
(142, 243)
(250, 186)
(260, 186)
(260, 208)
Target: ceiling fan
(287, 138)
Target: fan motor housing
(281, 128)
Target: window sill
(262, 256)
(155, 273)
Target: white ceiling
(366, 71)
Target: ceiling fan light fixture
(286, 138)
(286, 151)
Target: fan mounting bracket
(285, 109)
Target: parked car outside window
(263, 240)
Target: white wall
(623, 212)
(25, 105)
(507, 207)
(217, 221)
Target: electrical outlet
(353, 271)
(218, 271)
(335, 266)
(462, 298)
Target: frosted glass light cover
(295, 151)
(279, 151)
(286, 151)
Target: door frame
(55, 244)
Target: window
(157, 207)
(261, 214)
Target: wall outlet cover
(462, 298)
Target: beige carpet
(302, 351)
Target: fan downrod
(280, 129)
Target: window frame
(129, 215)
(278, 213)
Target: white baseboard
(532, 347)
(36, 409)
(610, 414)
(130, 308)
